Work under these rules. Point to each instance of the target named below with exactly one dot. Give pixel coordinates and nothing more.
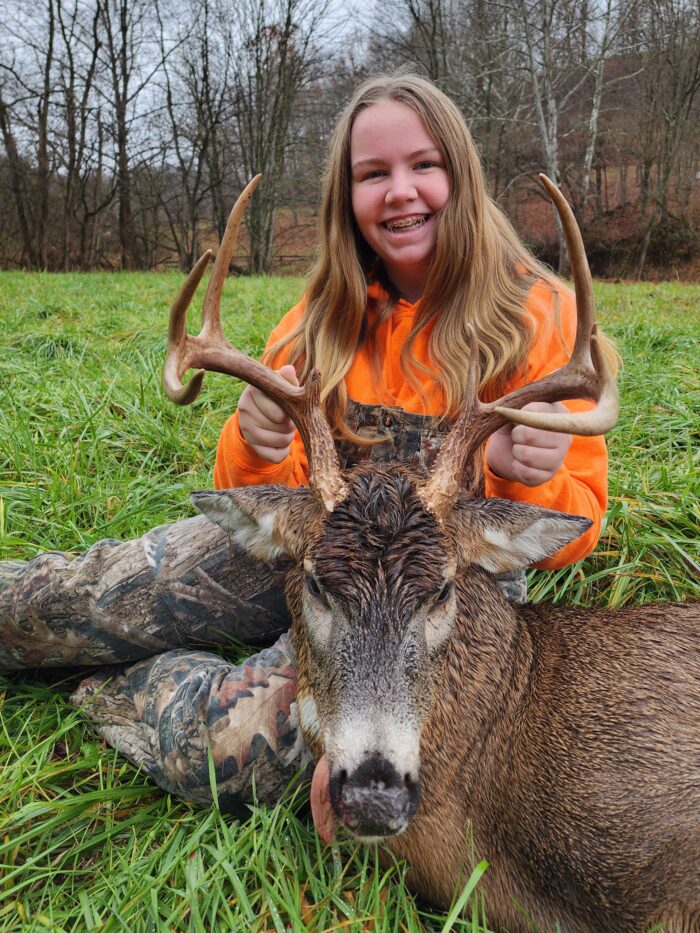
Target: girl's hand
(263, 423)
(529, 456)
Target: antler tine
(446, 479)
(580, 270)
(210, 351)
(211, 309)
(182, 348)
(178, 340)
(586, 375)
(598, 420)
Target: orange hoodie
(580, 485)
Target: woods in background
(129, 126)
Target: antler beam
(210, 351)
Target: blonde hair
(480, 273)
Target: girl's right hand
(263, 424)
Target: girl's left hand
(529, 456)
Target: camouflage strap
(172, 714)
(183, 584)
(409, 438)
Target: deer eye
(315, 590)
(444, 594)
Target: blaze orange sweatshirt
(580, 485)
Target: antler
(210, 351)
(586, 375)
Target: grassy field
(90, 449)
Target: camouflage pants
(176, 712)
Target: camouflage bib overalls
(153, 601)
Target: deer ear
(266, 521)
(502, 536)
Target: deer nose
(375, 800)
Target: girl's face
(399, 184)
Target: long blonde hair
(480, 273)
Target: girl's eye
(377, 173)
(444, 594)
(424, 165)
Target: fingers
(530, 456)
(541, 450)
(269, 410)
(262, 413)
(269, 445)
(538, 454)
(263, 424)
(529, 475)
(536, 437)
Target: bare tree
(415, 32)
(25, 99)
(194, 79)
(277, 58)
(487, 84)
(565, 47)
(667, 138)
(77, 137)
(130, 62)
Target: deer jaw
(373, 598)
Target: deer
(560, 744)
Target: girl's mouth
(406, 224)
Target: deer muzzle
(375, 800)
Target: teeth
(410, 223)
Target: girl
(405, 216)
(411, 251)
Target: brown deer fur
(562, 745)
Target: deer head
(383, 556)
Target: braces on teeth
(406, 224)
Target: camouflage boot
(513, 586)
(172, 714)
(183, 584)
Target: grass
(90, 449)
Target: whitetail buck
(562, 745)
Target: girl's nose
(400, 189)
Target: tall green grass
(90, 449)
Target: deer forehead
(381, 534)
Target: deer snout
(375, 800)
